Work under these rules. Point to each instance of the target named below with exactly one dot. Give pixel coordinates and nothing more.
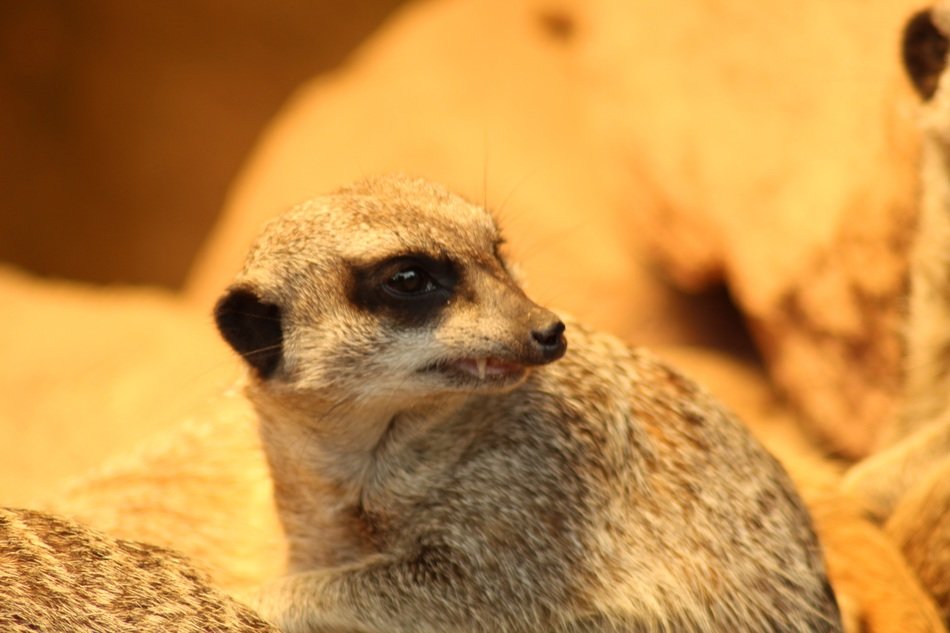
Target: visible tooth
(481, 362)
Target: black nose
(550, 341)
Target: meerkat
(57, 576)
(442, 460)
(906, 486)
(927, 330)
(921, 435)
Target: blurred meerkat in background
(906, 486)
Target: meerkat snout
(550, 340)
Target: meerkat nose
(550, 340)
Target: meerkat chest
(344, 535)
(329, 521)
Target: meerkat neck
(333, 462)
(345, 442)
(927, 376)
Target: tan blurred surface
(91, 372)
(122, 123)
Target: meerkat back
(60, 577)
(443, 459)
(690, 525)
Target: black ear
(925, 53)
(253, 328)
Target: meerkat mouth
(481, 368)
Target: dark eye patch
(411, 289)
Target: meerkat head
(393, 289)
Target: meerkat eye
(412, 281)
(411, 288)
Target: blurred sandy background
(122, 124)
(733, 184)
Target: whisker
(486, 153)
(501, 212)
(261, 350)
(532, 249)
(255, 316)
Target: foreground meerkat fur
(436, 470)
(60, 577)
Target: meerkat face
(393, 289)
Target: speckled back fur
(60, 577)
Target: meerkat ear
(924, 52)
(253, 328)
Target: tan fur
(60, 577)
(928, 324)
(877, 589)
(603, 492)
(907, 485)
(914, 475)
(882, 480)
(920, 524)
